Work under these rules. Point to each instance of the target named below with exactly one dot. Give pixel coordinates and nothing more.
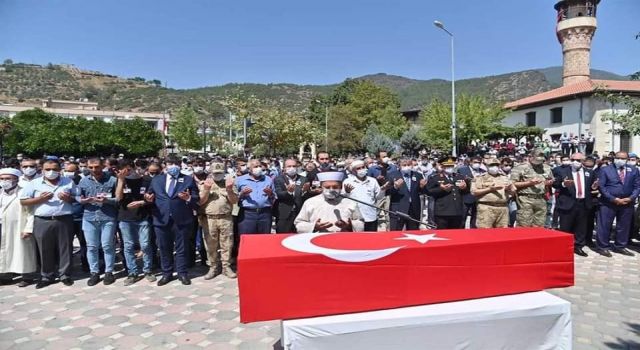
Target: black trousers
(573, 221)
(449, 222)
(285, 224)
(591, 224)
(53, 237)
(371, 226)
(77, 232)
(397, 223)
(169, 237)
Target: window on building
(531, 119)
(556, 115)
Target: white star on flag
(422, 238)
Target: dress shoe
(185, 280)
(623, 251)
(164, 280)
(42, 284)
(108, 279)
(580, 252)
(213, 272)
(229, 272)
(131, 279)
(93, 280)
(24, 283)
(67, 281)
(604, 252)
(150, 277)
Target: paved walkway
(606, 313)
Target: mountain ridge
(29, 84)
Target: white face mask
(632, 162)
(619, 163)
(69, 174)
(493, 170)
(576, 165)
(292, 171)
(406, 169)
(506, 169)
(385, 160)
(329, 193)
(361, 173)
(218, 177)
(7, 184)
(257, 172)
(448, 170)
(51, 174)
(475, 166)
(198, 170)
(29, 171)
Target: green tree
(184, 128)
(435, 121)
(477, 118)
(374, 141)
(280, 132)
(136, 137)
(411, 142)
(353, 106)
(628, 121)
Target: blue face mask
(173, 170)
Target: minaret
(576, 26)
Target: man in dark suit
(619, 189)
(176, 200)
(574, 184)
(447, 189)
(470, 172)
(589, 164)
(292, 190)
(404, 196)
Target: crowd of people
(168, 214)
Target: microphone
(391, 212)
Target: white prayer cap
(357, 163)
(331, 176)
(10, 171)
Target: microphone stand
(390, 212)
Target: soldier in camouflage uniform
(493, 190)
(531, 180)
(217, 197)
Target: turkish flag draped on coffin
(316, 274)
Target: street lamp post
(454, 126)
(205, 131)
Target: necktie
(579, 184)
(172, 186)
(407, 180)
(621, 174)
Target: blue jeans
(100, 233)
(137, 232)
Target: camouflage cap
(492, 161)
(216, 168)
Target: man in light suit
(619, 189)
(176, 198)
(404, 195)
(574, 184)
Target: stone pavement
(606, 313)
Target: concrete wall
(593, 109)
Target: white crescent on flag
(302, 242)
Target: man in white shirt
(365, 189)
(329, 212)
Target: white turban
(10, 171)
(357, 163)
(330, 176)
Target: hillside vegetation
(30, 84)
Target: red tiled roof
(568, 91)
